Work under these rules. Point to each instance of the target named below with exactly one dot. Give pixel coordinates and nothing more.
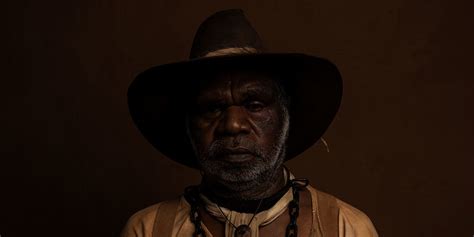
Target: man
(236, 113)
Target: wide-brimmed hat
(159, 97)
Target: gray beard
(246, 175)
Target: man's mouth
(238, 154)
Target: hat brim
(158, 97)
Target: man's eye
(254, 106)
(211, 110)
(214, 110)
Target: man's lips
(238, 154)
(237, 150)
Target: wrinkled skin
(238, 127)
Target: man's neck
(246, 196)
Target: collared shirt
(351, 221)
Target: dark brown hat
(158, 98)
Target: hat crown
(224, 30)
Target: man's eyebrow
(212, 96)
(258, 92)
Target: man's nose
(234, 121)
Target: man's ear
(187, 125)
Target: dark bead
(243, 231)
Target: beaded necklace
(192, 196)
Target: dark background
(73, 164)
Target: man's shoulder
(351, 221)
(355, 217)
(141, 223)
(345, 209)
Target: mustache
(228, 146)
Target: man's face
(238, 127)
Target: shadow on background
(73, 164)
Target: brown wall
(400, 148)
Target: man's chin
(236, 178)
(234, 173)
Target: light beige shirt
(351, 223)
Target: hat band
(231, 51)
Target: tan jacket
(331, 218)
